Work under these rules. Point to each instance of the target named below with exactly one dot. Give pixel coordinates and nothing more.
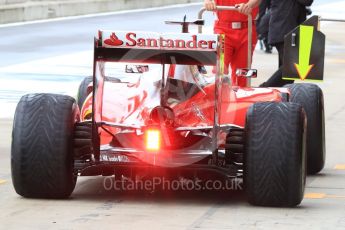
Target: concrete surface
(91, 206)
(25, 10)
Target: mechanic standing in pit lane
(235, 27)
(285, 16)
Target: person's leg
(240, 56)
(280, 48)
(228, 54)
(261, 42)
(268, 48)
(228, 49)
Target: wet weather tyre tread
(274, 173)
(310, 96)
(42, 159)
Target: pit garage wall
(28, 10)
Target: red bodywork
(125, 103)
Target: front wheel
(84, 89)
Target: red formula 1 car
(159, 104)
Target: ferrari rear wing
(156, 48)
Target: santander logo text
(159, 41)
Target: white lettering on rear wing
(159, 41)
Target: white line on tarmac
(336, 6)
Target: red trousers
(236, 50)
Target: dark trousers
(276, 79)
(280, 49)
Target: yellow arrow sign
(305, 43)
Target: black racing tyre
(42, 160)
(310, 96)
(83, 92)
(274, 160)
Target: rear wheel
(274, 160)
(42, 158)
(310, 96)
